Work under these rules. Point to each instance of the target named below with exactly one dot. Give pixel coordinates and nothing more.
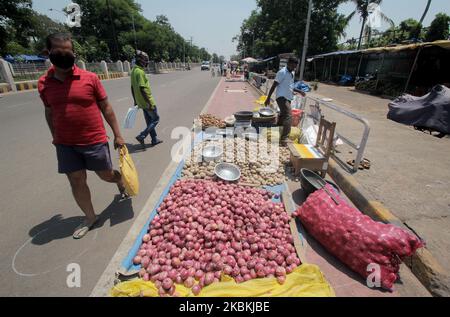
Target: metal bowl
(228, 172)
(212, 153)
(267, 112)
(244, 116)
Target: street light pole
(134, 30)
(306, 41)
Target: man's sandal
(83, 229)
(123, 194)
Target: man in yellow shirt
(143, 98)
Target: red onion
(196, 290)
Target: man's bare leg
(82, 194)
(113, 177)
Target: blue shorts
(94, 158)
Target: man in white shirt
(284, 84)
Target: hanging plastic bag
(129, 173)
(130, 118)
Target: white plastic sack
(130, 118)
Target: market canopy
(443, 44)
(250, 60)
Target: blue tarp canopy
(26, 58)
(334, 54)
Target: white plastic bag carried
(130, 118)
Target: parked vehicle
(206, 66)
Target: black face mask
(63, 61)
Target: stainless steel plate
(266, 112)
(228, 172)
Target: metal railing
(94, 67)
(314, 111)
(112, 67)
(27, 71)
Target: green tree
(362, 9)
(410, 29)
(128, 52)
(14, 48)
(279, 27)
(439, 28)
(15, 23)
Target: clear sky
(213, 23)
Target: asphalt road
(38, 214)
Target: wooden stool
(315, 157)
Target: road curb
(423, 264)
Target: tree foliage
(279, 26)
(106, 32)
(15, 23)
(439, 28)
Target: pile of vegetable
(206, 229)
(356, 239)
(257, 162)
(209, 121)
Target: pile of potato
(255, 159)
(209, 121)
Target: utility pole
(254, 44)
(134, 30)
(113, 29)
(306, 41)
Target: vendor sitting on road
(284, 83)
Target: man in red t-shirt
(75, 101)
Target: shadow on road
(137, 148)
(58, 228)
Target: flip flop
(83, 229)
(123, 194)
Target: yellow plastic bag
(129, 173)
(261, 101)
(274, 134)
(306, 281)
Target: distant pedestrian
(75, 101)
(284, 84)
(143, 98)
(225, 69)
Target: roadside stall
(231, 223)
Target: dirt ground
(410, 172)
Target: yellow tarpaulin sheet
(306, 281)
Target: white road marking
(19, 105)
(13, 264)
(122, 99)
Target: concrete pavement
(38, 213)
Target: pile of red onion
(206, 229)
